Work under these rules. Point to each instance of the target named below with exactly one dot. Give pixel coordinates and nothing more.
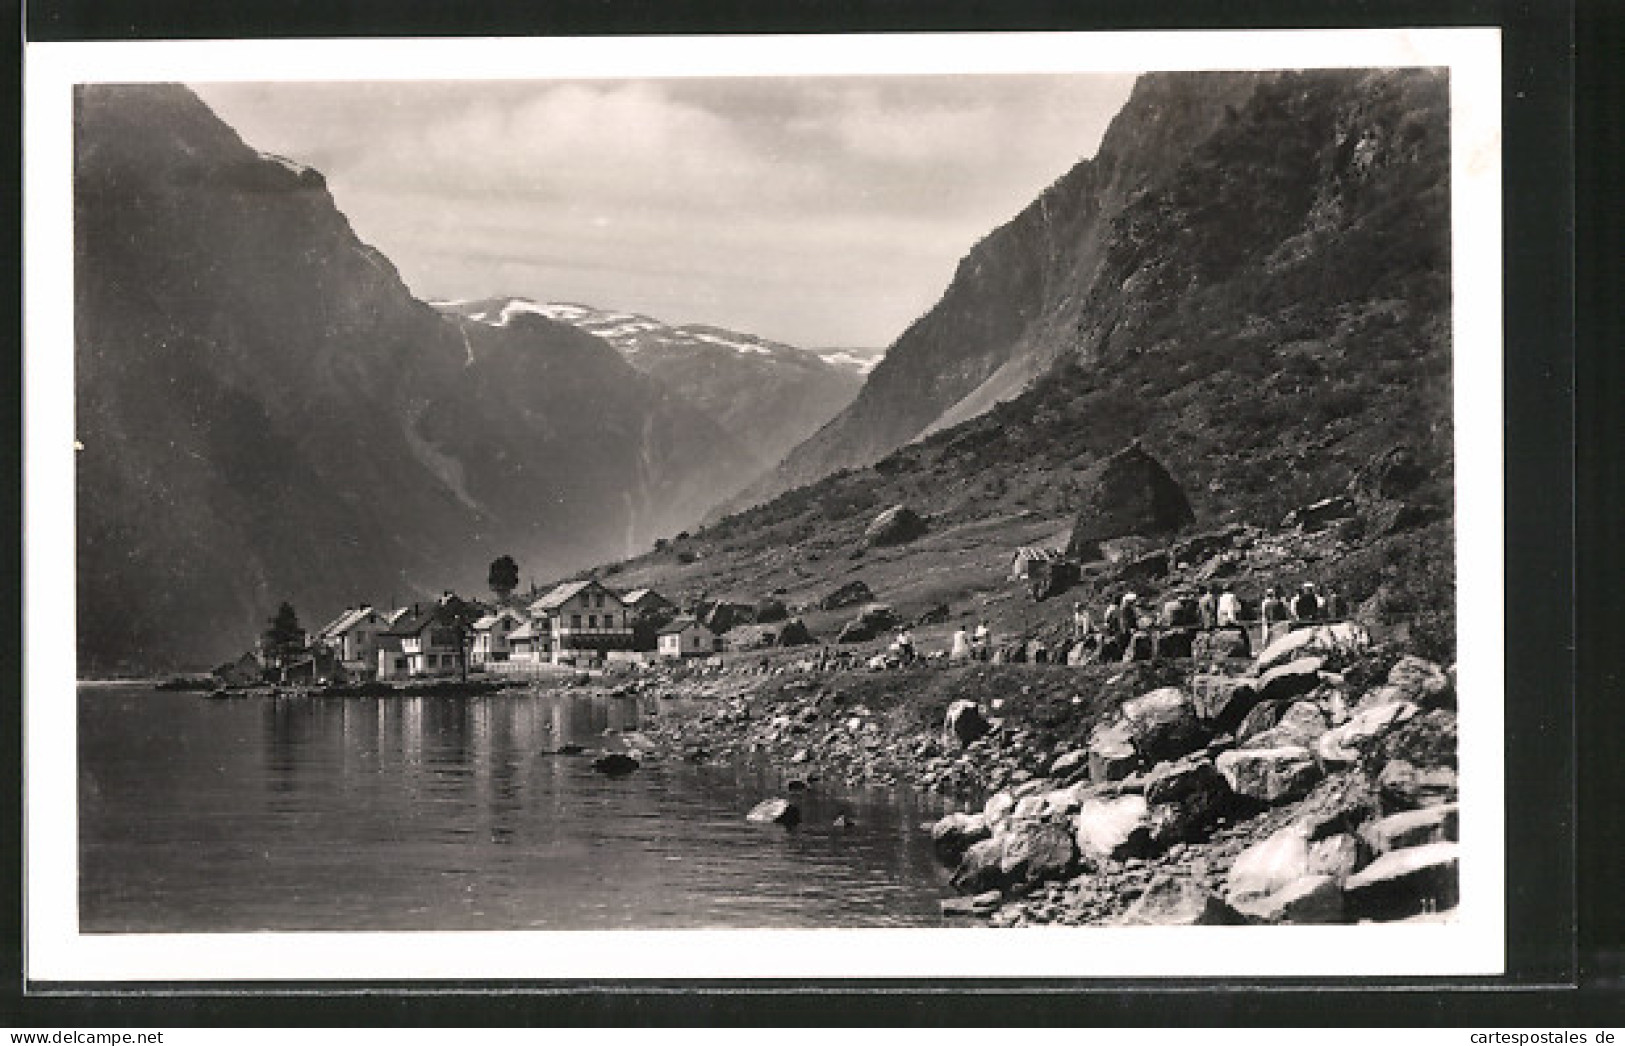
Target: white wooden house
(686, 637)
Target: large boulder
(963, 724)
(1222, 701)
(769, 610)
(1051, 577)
(1267, 866)
(1338, 856)
(957, 832)
(1163, 724)
(1270, 775)
(1339, 805)
(851, 594)
(1292, 679)
(1343, 745)
(1425, 741)
(1035, 851)
(1171, 901)
(1186, 798)
(895, 526)
(855, 632)
(1130, 493)
(795, 633)
(1406, 882)
(1113, 829)
(1259, 718)
(1340, 640)
(1301, 724)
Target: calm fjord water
(428, 813)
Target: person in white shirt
(1229, 608)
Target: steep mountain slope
(266, 412)
(767, 395)
(1268, 319)
(1013, 305)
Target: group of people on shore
(1209, 607)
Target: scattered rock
(1307, 900)
(1404, 787)
(1338, 856)
(775, 811)
(981, 904)
(1343, 744)
(1427, 740)
(1421, 681)
(1270, 775)
(1070, 765)
(1171, 901)
(1185, 799)
(1261, 717)
(1113, 829)
(1435, 824)
(1339, 805)
(1404, 883)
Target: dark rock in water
(1128, 493)
(963, 723)
(851, 594)
(1404, 883)
(615, 764)
(895, 526)
(570, 749)
(775, 811)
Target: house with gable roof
(353, 638)
(493, 633)
(584, 620)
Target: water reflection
(438, 813)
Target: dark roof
(680, 624)
(417, 617)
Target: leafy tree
(459, 614)
(284, 637)
(504, 576)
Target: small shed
(1021, 562)
(686, 637)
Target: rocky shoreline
(1313, 784)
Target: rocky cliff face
(766, 395)
(1095, 255)
(266, 412)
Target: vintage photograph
(936, 501)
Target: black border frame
(1542, 919)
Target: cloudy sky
(819, 211)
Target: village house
(686, 637)
(529, 643)
(353, 639)
(646, 601)
(422, 642)
(493, 635)
(585, 620)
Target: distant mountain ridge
(267, 413)
(769, 396)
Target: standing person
(905, 646)
(1305, 606)
(981, 639)
(1272, 612)
(1207, 608)
(1082, 623)
(961, 648)
(1229, 608)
